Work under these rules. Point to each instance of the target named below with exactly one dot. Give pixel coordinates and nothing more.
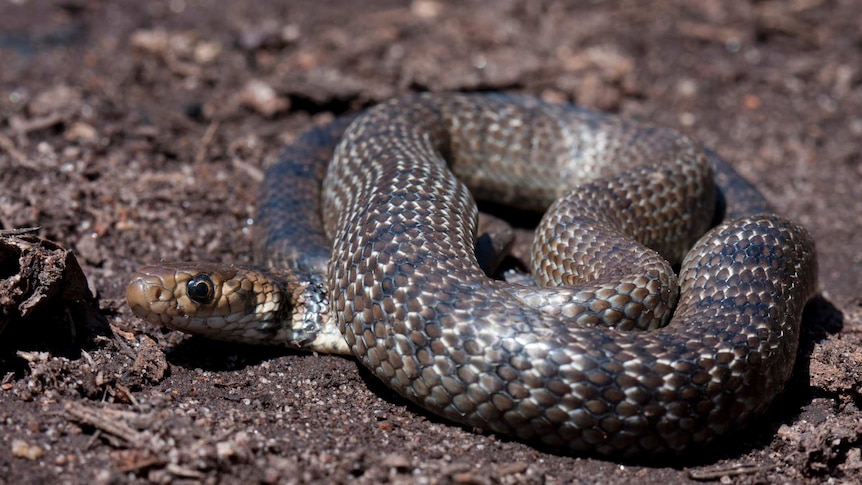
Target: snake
(666, 298)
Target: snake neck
(311, 327)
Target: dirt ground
(134, 131)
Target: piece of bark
(38, 276)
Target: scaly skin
(555, 364)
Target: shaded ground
(135, 131)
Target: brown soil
(133, 131)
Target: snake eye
(201, 289)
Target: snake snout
(144, 292)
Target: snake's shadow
(212, 355)
(820, 320)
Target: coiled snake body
(561, 365)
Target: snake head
(237, 304)
(218, 301)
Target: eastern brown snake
(561, 365)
